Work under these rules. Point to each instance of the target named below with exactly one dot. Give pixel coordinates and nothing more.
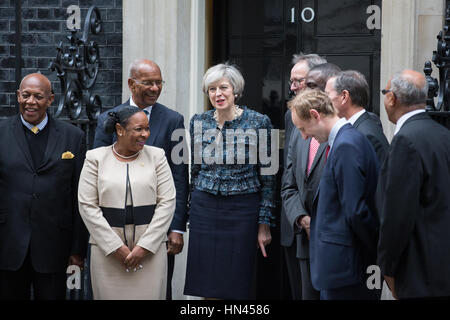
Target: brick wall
(44, 25)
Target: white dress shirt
(403, 118)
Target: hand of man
(76, 260)
(391, 284)
(175, 242)
(305, 224)
(133, 260)
(264, 238)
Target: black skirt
(222, 245)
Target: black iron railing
(440, 88)
(77, 67)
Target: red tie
(326, 153)
(313, 147)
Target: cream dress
(103, 187)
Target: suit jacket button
(35, 196)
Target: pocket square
(67, 155)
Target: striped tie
(35, 130)
(313, 147)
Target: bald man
(41, 231)
(145, 83)
(413, 249)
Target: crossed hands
(131, 259)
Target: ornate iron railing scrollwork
(77, 67)
(440, 89)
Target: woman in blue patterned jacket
(232, 192)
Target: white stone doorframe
(171, 33)
(408, 38)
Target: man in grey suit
(349, 93)
(301, 65)
(303, 168)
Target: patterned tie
(313, 147)
(146, 113)
(35, 130)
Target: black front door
(261, 38)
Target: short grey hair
(356, 85)
(227, 71)
(407, 92)
(312, 59)
(133, 70)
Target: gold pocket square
(67, 155)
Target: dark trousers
(354, 292)
(16, 285)
(293, 269)
(170, 266)
(308, 291)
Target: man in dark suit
(41, 231)
(145, 83)
(414, 202)
(349, 93)
(300, 180)
(344, 223)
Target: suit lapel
(319, 152)
(361, 119)
(304, 150)
(419, 116)
(19, 134)
(155, 122)
(54, 138)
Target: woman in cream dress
(126, 198)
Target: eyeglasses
(384, 91)
(150, 83)
(296, 81)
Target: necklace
(121, 156)
(237, 113)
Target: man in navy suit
(344, 223)
(145, 83)
(349, 93)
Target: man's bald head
(34, 97)
(145, 82)
(37, 79)
(138, 65)
(410, 88)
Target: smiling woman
(131, 126)
(128, 222)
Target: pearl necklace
(236, 114)
(121, 156)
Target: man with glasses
(145, 83)
(413, 195)
(302, 170)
